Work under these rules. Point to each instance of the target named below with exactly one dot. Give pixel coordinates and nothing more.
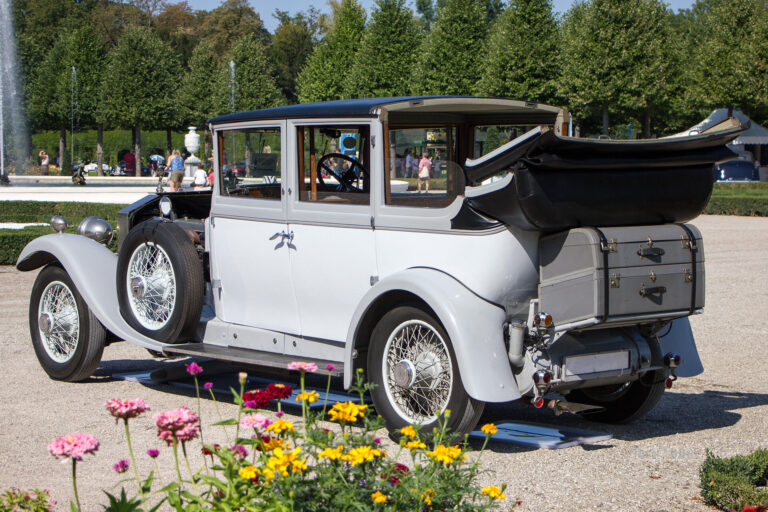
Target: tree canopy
(388, 51)
(328, 67)
(451, 55)
(255, 85)
(518, 59)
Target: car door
(250, 262)
(332, 251)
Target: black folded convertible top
(561, 182)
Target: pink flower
(377, 440)
(121, 466)
(124, 409)
(186, 433)
(257, 421)
(208, 385)
(330, 367)
(153, 453)
(302, 366)
(194, 369)
(74, 446)
(279, 414)
(176, 419)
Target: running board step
(251, 357)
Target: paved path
(651, 465)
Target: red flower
(279, 391)
(256, 399)
(747, 508)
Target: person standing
(177, 170)
(130, 164)
(425, 169)
(44, 163)
(410, 164)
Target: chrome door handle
(283, 235)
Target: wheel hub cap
(46, 323)
(138, 287)
(404, 374)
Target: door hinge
(373, 223)
(373, 141)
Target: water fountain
(10, 96)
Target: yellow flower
(494, 492)
(447, 413)
(274, 442)
(281, 460)
(378, 497)
(408, 431)
(248, 472)
(309, 396)
(331, 453)
(446, 454)
(427, 496)
(346, 411)
(489, 429)
(280, 426)
(362, 454)
(415, 445)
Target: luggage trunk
(616, 275)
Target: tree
(230, 21)
(292, 45)
(328, 67)
(426, 10)
(731, 59)
(200, 91)
(255, 86)
(178, 25)
(143, 93)
(614, 57)
(520, 53)
(387, 53)
(450, 61)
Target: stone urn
(192, 143)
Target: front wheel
(68, 339)
(412, 363)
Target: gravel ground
(651, 465)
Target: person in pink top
(425, 166)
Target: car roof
(369, 107)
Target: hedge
(12, 241)
(746, 199)
(735, 482)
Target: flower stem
(133, 460)
(303, 407)
(176, 459)
(218, 412)
(327, 390)
(74, 484)
(189, 468)
(199, 414)
(239, 411)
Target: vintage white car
(521, 265)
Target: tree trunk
(137, 150)
(647, 123)
(168, 141)
(100, 149)
(62, 146)
(606, 118)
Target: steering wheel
(347, 178)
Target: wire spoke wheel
(417, 370)
(59, 322)
(151, 286)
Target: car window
(334, 164)
(421, 166)
(250, 163)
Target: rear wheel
(412, 363)
(160, 281)
(623, 403)
(68, 339)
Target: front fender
(92, 268)
(474, 325)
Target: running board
(252, 357)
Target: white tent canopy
(756, 134)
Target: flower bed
(330, 460)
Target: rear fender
(474, 325)
(92, 268)
(680, 340)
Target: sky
(265, 8)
